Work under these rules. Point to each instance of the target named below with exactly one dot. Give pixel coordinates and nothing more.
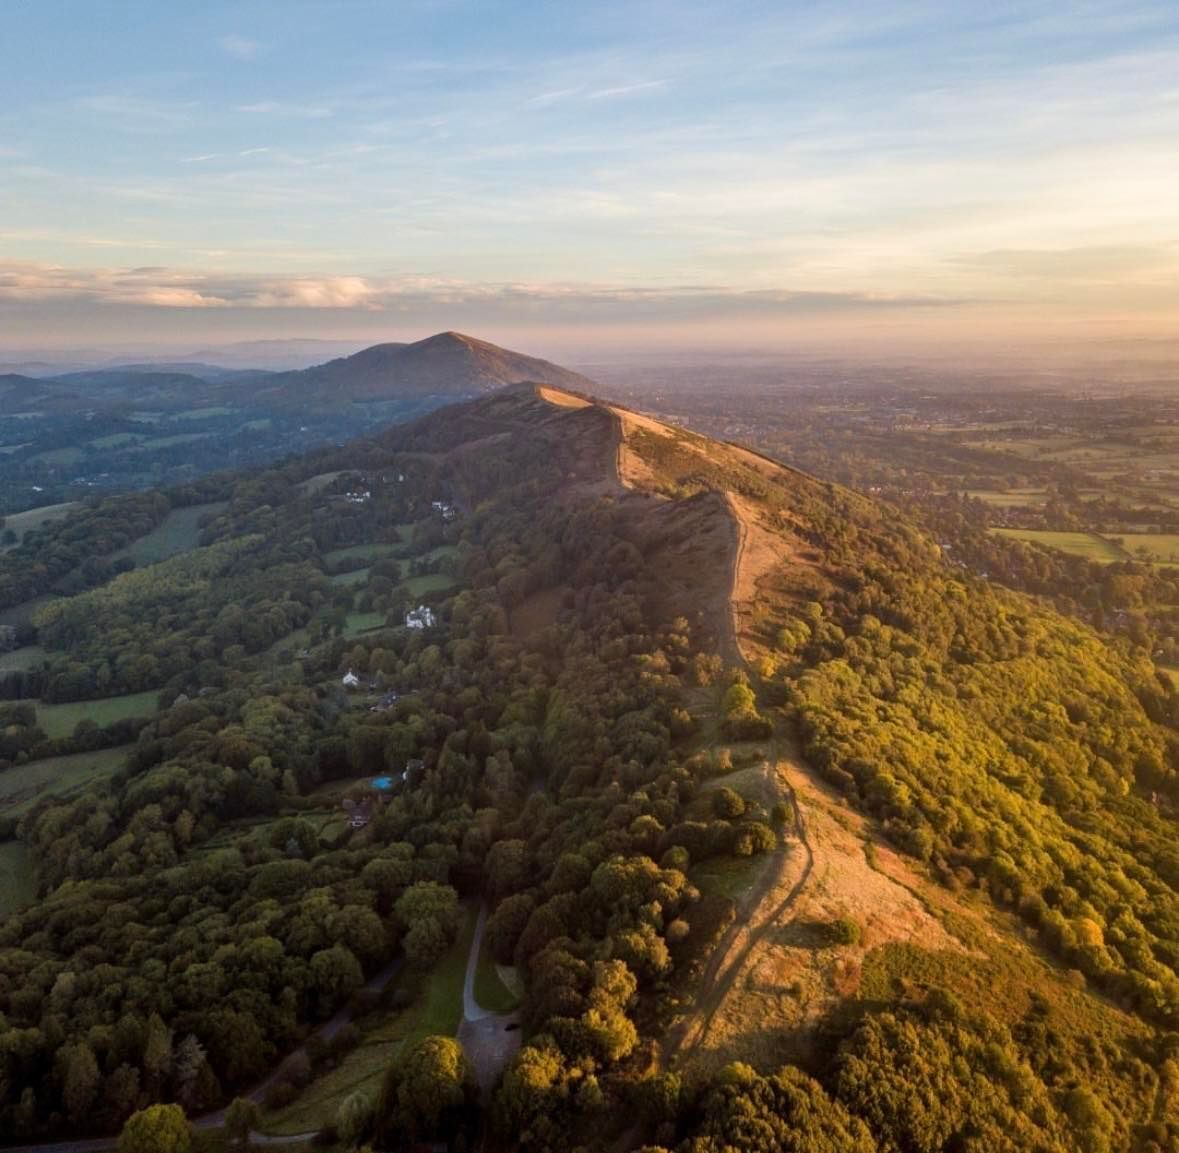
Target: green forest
(553, 742)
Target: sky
(582, 175)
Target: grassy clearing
(430, 583)
(61, 456)
(725, 876)
(360, 553)
(35, 518)
(1010, 499)
(169, 441)
(356, 576)
(316, 484)
(357, 623)
(60, 720)
(1163, 547)
(24, 785)
(490, 991)
(18, 660)
(1086, 544)
(115, 440)
(178, 532)
(437, 1008)
(17, 886)
(204, 413)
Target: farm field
(172, 441)
(17, 887)
(1160, 547)
(59, 720)
(115, 440)
(23, 785)
(178, 532)
(1086, 544)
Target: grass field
(437, 1008)
(360, 553)
(1086, 544)
(17, 887)
(316, 484)
(1162, 547)
(115, 440)
(178, 532)
(23, 785)
(169, 441)
(430, 583)
(61, 456)
(357, 623)
(59, 720)
(20, 659)
(356, 576)
(204, 413)
(35, 518)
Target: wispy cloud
(239, 47)
(161, 287)
(287, 108)
(625, 89)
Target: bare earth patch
(780, 972)
(633, 470)
(759, 550)
(561, 399)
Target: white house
(420, 618)
(350, 680)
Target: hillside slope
(742, 767)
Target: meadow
(1087, 544)
(23, 785)
(34, 518)
(178, 532)
(59, 720)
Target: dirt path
(764, 911)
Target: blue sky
(738, 171)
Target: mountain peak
(448, 363)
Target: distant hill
(449, 364)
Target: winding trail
(725, 965)
(216, 1119)
(489, 1039)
